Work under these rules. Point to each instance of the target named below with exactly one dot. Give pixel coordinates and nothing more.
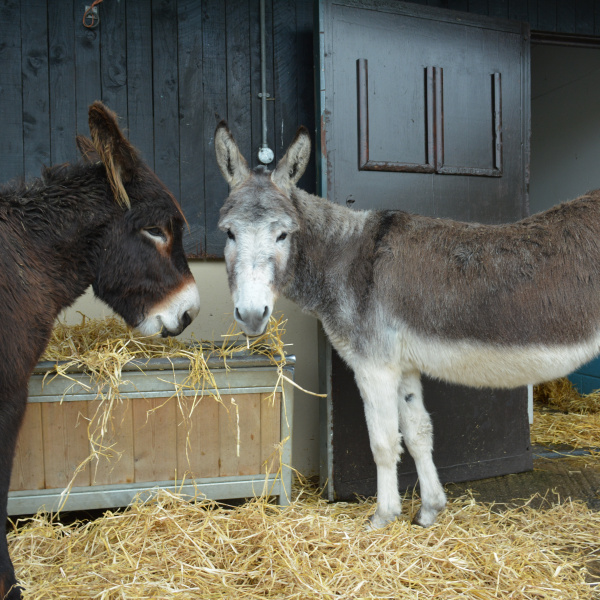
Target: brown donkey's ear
(87, 150)
(229, 158)
(117, 154)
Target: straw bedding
(565, 417)
(170, 547)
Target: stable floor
(556, 477)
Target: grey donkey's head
(260, 219)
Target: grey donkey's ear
(292, 166)
(229, 158)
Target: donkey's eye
(155, 233)
(230, 234)
(282, 237)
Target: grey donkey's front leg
(379, 389)
(415, 425)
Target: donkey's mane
(20, 189)
(329, 218)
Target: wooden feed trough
(185, 441)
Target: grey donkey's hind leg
(415, 425)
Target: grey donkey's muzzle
(252, 321)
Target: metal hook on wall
(91, 16)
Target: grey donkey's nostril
(266, 312)
(238, 316)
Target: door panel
(398, 48)
(424, 110)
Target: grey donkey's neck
(326, 245)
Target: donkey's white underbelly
(486, 365)
(473, 363)
(479, 364)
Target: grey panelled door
(424, 110)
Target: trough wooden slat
(28, 469)
(119, 439)
(198, 440)
(65, 439)
(270, 432)
(155, 439)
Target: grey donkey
(401, 294)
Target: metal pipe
(265, 154)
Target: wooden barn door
(424, 110)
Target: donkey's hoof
(378, 521)
(14, 594)
(425, 517)
(14, 591)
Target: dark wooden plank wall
(11, 150)
(170, 69)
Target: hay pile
(562, 395)
(171, 548)
(104, 346)
(562, 416)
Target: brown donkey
(401, 294)
(108, 222)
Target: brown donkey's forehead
(152, 195)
